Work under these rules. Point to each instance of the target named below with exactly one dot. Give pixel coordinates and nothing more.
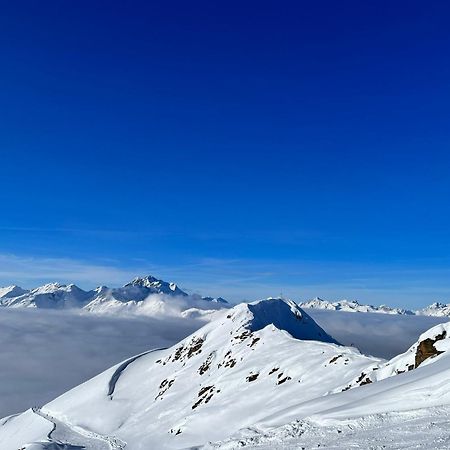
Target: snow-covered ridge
(351, 306)
(143, 294)
(12, 291)
(435, 309)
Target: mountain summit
(156, 286)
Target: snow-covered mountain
(248, 363)
(11, 291)
(135, 295)
(146, 295)
(436, 309)
(351, 306)
(261, 375)
(51, 295)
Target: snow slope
(411, 410)
(402, 403)
(230, 374)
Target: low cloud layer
(381, 335)
(44, 353)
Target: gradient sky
(242, 149)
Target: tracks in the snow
(72, 436)
(68, 436)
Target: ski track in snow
(76, 437)
(118, 372)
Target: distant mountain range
(435, 309)
(147, 295)
(136, 297)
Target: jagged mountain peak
(153, 283)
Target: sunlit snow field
(44, 353)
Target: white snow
(263, 375)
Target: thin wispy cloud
(239, 279)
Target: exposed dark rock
(205, 394)
(164, 387)
(332, 360)
(252, 377)
(426, 349)
(283, 380)
(204, 390)
(243, 336)
(206, 364)
(228, 361)
(187, 351)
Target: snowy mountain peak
(281, 313)
(436, 309)
(48, 288)
(156, 285)
(12, 291)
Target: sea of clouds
(43, 353)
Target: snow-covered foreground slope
(410, 410)
(230, 374)
(401, 403)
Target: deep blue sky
(240, 148)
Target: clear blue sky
(240, 148)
